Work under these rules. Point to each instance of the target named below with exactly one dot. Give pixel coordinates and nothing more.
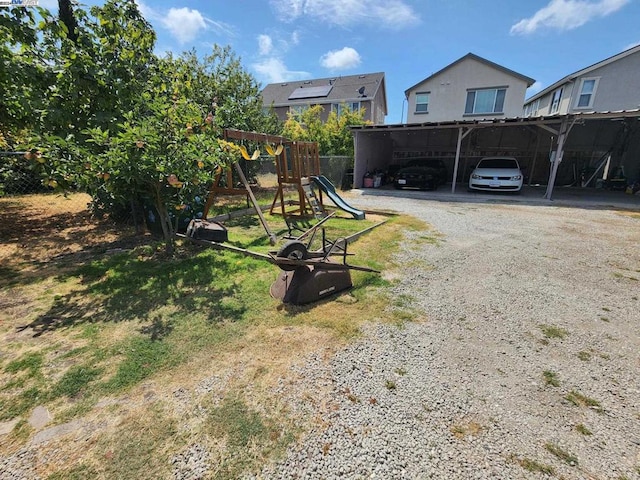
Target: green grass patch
(21, 432)
(142, 358)
(75, 381)
(551, 378)
(138, 449)
(536, 467)
(79, 472)
(584, 355)
(583, 430)
(21, 403)
(580, 400)
(30, 362)
(250, 437)
(562, 454)
(551, 331)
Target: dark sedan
(422, 173)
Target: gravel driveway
(524, 362)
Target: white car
(501, 174)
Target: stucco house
(609, 85)
(471, 87)
(355, 92)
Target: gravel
(512, 299)
(522, 363)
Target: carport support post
(557, 158)
(457, 162)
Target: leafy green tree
(333, 136)
(65, 82)
(106, 115)
(20, 75)
(169, 147)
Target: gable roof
(530, 81)
(326, 90)
(584, 71)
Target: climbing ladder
(316, 207)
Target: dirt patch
(38, 228)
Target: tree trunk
(165, 223)
(65, 12)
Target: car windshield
(424, 162)
(498, 163)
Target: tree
(169, 146)
(106, 115)
(333, 136)
(21, 73)
(64, 82)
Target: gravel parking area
(523, 364)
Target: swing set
(295, 163)
(306, 276)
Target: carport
(583, 149)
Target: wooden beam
(231, 133)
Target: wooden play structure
(295, 163)
(295, 167)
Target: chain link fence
(338, 169)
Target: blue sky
(281, 40)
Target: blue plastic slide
(327, 187)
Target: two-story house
(471, 87)
(356, 92)
(610, 85)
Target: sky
(408, 40)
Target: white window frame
(351, 106)
(426, 109)
(592, 93)
(297, 111)
(532, 108)
(554, 105)
(495, 99)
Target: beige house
(471, 87)
(355, 92)
(610, 85)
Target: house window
(532, 108)
(587, 92)
(555, 101)
(422, 102)
(296, 111)
(349, 106)
(490, 100)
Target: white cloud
(392, 14)
(567, 15)
(535, 88)
(184, 23)
(265, 44)
(146, 11)
(631, 45)
(273, 70)
(341, 59)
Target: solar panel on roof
(311, 92)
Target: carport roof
(501, 122)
